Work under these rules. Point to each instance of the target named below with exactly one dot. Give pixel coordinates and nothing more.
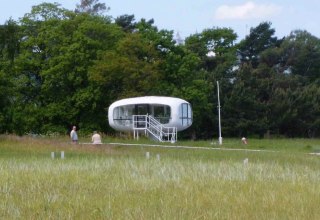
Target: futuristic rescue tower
(159, 116)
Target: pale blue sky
(192, 16)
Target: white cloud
(248, 10)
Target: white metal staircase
(151, 126)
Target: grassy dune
(119, 182)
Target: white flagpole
(220, 138)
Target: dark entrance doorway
(141, 109)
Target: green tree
(216, 50)
(34, 53)
(244, 108)
(295, 63)
(132, 69)
(259, 39)
(93, 7)
(9, 50)
(9, 42)
(126, 22)
(300, 54)
(52, 69)
(215, 42)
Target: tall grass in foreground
(120, 183)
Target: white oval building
(168, 111)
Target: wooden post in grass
(52, 155)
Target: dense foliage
(60, 67)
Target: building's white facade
(169, 111)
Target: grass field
(118, 182)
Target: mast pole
(220, 138)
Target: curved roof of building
(164, 100)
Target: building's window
(122, 115)
(185, 114)
(162, 113)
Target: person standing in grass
(96, 138)
(74, 135)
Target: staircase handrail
(154, 127)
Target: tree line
(60, 68)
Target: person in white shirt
(96, 138)
(74, 135)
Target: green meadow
(113, 181)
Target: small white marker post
(62, 154)
(147, 155)
(52, 155)
(158, 156)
